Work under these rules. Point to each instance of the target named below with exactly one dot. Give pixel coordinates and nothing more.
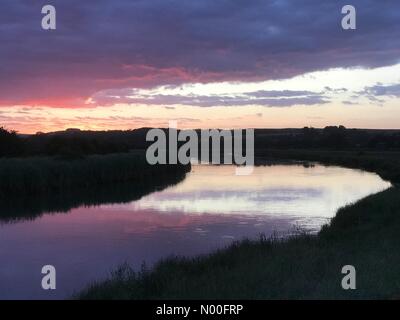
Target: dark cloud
(376, 94)
(278, 93)
(102, 44)
(339, 90)
(350, 103)
(380, 90)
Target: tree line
(76, 143)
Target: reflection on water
(209, 209)
(27, 208)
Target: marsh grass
(385, 163)
(30, 186)
(30, 176)
(14, 209)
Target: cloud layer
(101, 45)
(274, 98)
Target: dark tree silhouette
(10, 143)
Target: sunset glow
(234, 67)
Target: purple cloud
(274, 98)
(380, 90)
(102, 44)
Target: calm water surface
(209, 209)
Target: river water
(209, 209)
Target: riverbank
(386, 164)
(30, 186)
(365, 234)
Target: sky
(125, 64)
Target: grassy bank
(386, 164)
(29, 186)
(14, 209)
(44, 175)
(366, 235)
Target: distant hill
(82, 142)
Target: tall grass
(14, 209)
(386, 164)
(47, 175)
